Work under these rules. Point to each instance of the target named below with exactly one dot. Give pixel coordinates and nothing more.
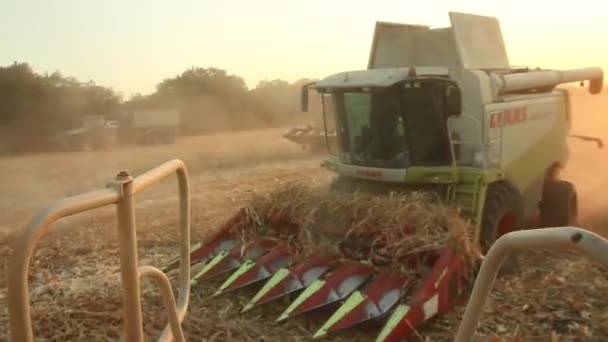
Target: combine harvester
(436, 109)
(310, 138)
(439, 110)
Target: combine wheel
(559, 204)
(503, 213)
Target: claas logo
(508, 117)
(369, 173)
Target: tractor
(312, 139)
(437, 110)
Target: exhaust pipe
(549, 78)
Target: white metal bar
(151, 177)
(127, 244)
(167, 293)
(584, 241)
(144, 181)
(24, 246)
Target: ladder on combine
(466, 196)
(121, 192)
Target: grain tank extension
(435, 109)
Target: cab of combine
(392, 118)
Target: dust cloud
(32, 181)
(588, 165)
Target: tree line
(36, 107)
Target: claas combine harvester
(436, 110)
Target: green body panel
(435, 174)
(470, 198)
(466, 185)
(525, 171)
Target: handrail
(584, 241)
(120, 192)
(143, 182)
(24, 245)
(164, 285)
(463, 142)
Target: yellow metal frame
(584, 241)
(120, 192)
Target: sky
(132, 45)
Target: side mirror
(304, 98)
(453, 101)
(595, 85)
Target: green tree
(36, 107)
(210, 99)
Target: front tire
(503, 213)
(559, 204)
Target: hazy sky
(131, 45)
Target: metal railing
(120, 192)
(464, 159)
(584, 241)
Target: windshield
(393, 128)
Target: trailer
(151, 127)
